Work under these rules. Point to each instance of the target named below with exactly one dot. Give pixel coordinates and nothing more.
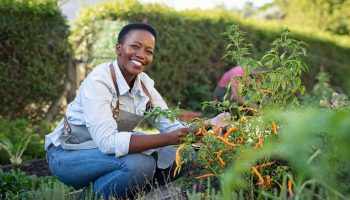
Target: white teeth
(136, 62)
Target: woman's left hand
(221, 120)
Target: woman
(95, 142)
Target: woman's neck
(129, 78)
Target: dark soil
(35, 167)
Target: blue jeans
(110, 176)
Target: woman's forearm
(139, 143)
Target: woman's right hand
(179, 135)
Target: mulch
(35, 167)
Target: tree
(326, 15)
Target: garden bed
(34, 167)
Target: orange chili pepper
(243, 120)
(268, 182)
(178, 158)
(222, 163)
(201, 131)
(274, 128)
(264, 165)
(290, 183)
(219, 158)
(265, 91)
(226, 142)
(255, 171)
(240, 141)
(219, 152)
(259, 144)
(217, 129)
(205, 176)
(229, 131)
(248, 108)
(176, 168)
(209, 162)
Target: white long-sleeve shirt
(94, 103)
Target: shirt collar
(122, 84)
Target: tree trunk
(51, 113)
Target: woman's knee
(138, 165)
(135, 171)
(79, 168)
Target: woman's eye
(149, 52)
(134, 46)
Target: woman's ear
(118, 49)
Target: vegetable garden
(284, 148)
(287, 140)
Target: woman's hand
(221, 120)
(179, 135)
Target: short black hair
(135, 26)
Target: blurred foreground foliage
(314, 143)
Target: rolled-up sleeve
(96, 98)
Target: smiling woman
(96, 143)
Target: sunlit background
(71, 7)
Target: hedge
(34, 51)
(190, 49)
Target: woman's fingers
(220, 120)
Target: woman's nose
(140, 53)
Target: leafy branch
(15, 151)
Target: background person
(231, 76)
(234, 78)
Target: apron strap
(116, 110)
(149, 104)
(66, 125)
(114, 79)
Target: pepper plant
(249, 153)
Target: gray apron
(78, 137)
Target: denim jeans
(110, 176)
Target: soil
(35, 167)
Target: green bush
(15, 185)
(33, 56)
(18, 185)
(190, 49)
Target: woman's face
(135, 54)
